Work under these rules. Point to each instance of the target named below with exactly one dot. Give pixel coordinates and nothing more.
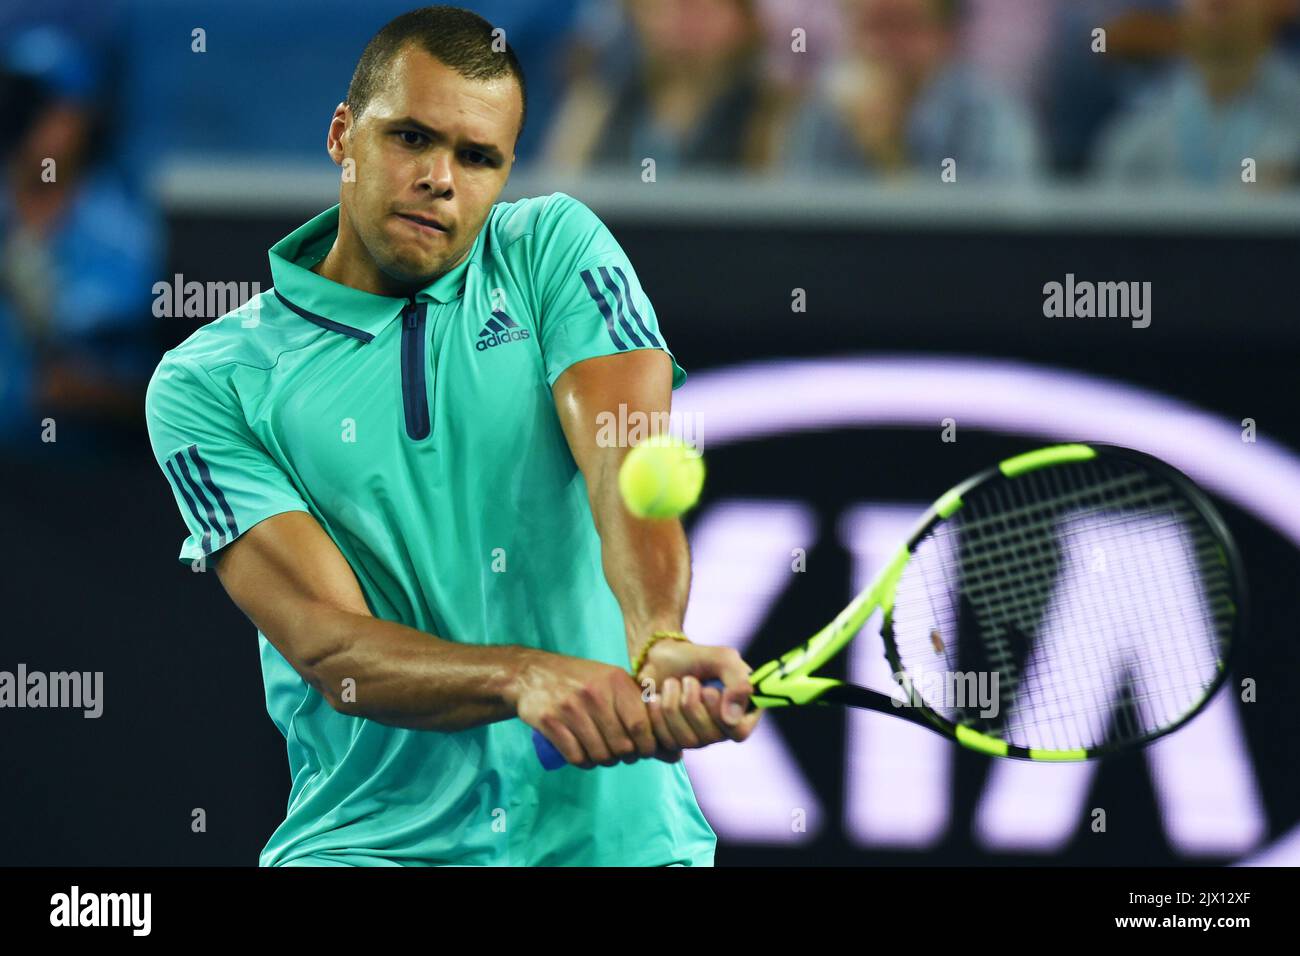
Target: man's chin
(413, 274)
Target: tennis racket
(1094, 588)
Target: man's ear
(339, 128)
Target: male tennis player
(392, 459)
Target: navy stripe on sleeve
(618, 304)
(217, 493)
(205, 545)
(631, 305)
(604, 308)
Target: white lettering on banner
(898, 788)
(740, 564)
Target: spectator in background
(820, 22)
(1084, 89)
(1010, 42)
(1233, 95)
(687, 91)
(77, 256)
(899, 100)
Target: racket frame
(789, 680)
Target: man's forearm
(396, 675)
(647, 564)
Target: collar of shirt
(340, 308)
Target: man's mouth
(425, 222)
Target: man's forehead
(418, 83)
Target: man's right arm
(294, 584)
(275, 560)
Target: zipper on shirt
(415, 402)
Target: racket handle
(552, 759)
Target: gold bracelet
(655, 638)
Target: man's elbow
(322, 654)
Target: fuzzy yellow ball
(661, 477)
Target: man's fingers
(697, 712)
(567, 744)
(742, 730)
(733, 708)
(602, 703)
(714, 701)
(678, 725)
(592, 738)
(663, 734)
(737, 689)
(635, 718)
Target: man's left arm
(647, 562)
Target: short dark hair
(457, 38)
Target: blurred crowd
(1193, 93)
(1141, 91)
(79, 254)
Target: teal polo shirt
(422, 434)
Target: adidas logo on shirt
(499, 330)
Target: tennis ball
(661, 477)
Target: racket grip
(552, 759)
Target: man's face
(433, 151)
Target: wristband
(655, 638)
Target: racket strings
(1124, 715)
(1063, 704)
(1177, 673)
(1095, 592)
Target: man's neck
(338, 267)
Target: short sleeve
(222, 478)
(591, 301)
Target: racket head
(1094, 588)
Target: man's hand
(592, 712)
(685, 714)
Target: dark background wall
(92, 583)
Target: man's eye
(475, 158)
(411, 137)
